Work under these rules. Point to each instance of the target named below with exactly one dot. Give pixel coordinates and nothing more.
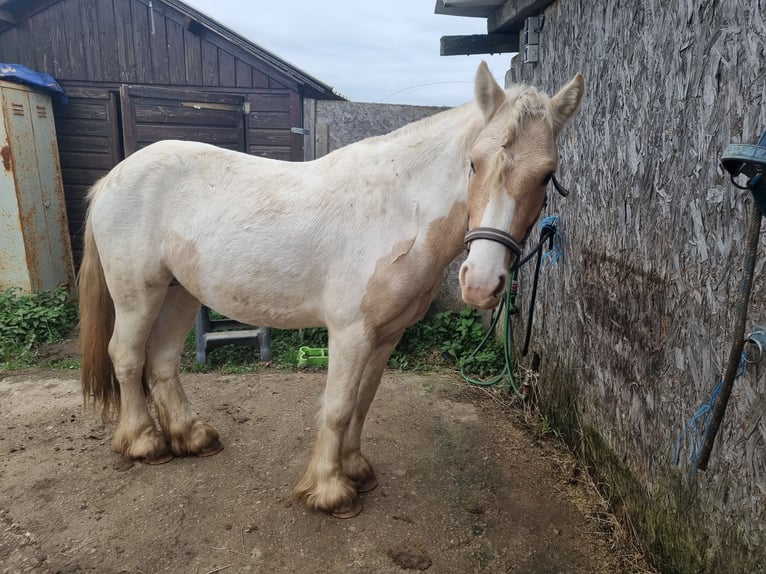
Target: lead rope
(507, 308)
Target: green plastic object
(312, 357)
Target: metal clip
(755, 344)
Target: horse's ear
(489, 94)
(566, 102)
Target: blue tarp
(23, 75)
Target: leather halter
(495, 235)
(500, 236)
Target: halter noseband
(500, 236)
(495, 235)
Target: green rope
(506, 309)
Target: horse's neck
(430, 157)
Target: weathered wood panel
(634, 324)
(86, 152)
(125, 41)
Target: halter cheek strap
(495, 235)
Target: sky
(368, 50)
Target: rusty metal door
(35, 253)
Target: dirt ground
(464, 486)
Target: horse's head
(511, 163)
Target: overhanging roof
(470, 8)
(505, 19)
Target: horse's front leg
(355, 464)
(324, 485)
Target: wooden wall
(113, 41)
(634, 324)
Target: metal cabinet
(35, 252)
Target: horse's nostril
(500, 286)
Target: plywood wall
(636, 320)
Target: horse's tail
(99, 383)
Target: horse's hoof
(367, 485)
(353, 509)
(159, 460)
(212, 450)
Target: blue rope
(551, 257)
(694, 433)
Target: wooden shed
(139, 71)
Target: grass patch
(30, 320)
(446, 340)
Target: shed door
(154, 114)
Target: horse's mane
(525, 102)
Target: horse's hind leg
(184, 431)
(355, 464)
(136, 436)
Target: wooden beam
(7, 17)
(511, 15)
(479, 44)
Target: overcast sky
(368, 50)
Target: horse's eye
(547, 179)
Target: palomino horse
(356, 241)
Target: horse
(356, 241)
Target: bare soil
(464, 486)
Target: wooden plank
(158, 44)
(260, 80)
(270, 102)
(114, 126)
(164, 93)
(271, 120)
(322, 139)
(91, 43)
(175, 115)
(80, 91)
(276, 84)
(309, 121)
(141, 41)
(296, 120)
(75, 141)
(82, 175)
(75, 50)
(81, 127)
(209, 64)
(9, 47)
(126, 56)
(128, 122)
(511, 15)
(270, 137)
(148, 133)
(59, 40)
(244, 75)
(107, 38)
(227, 69)
(86, 110)
(176, 53)
(479, 44)
(83, 158)
(193, 58)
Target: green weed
(447, 340)
(30, 320)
